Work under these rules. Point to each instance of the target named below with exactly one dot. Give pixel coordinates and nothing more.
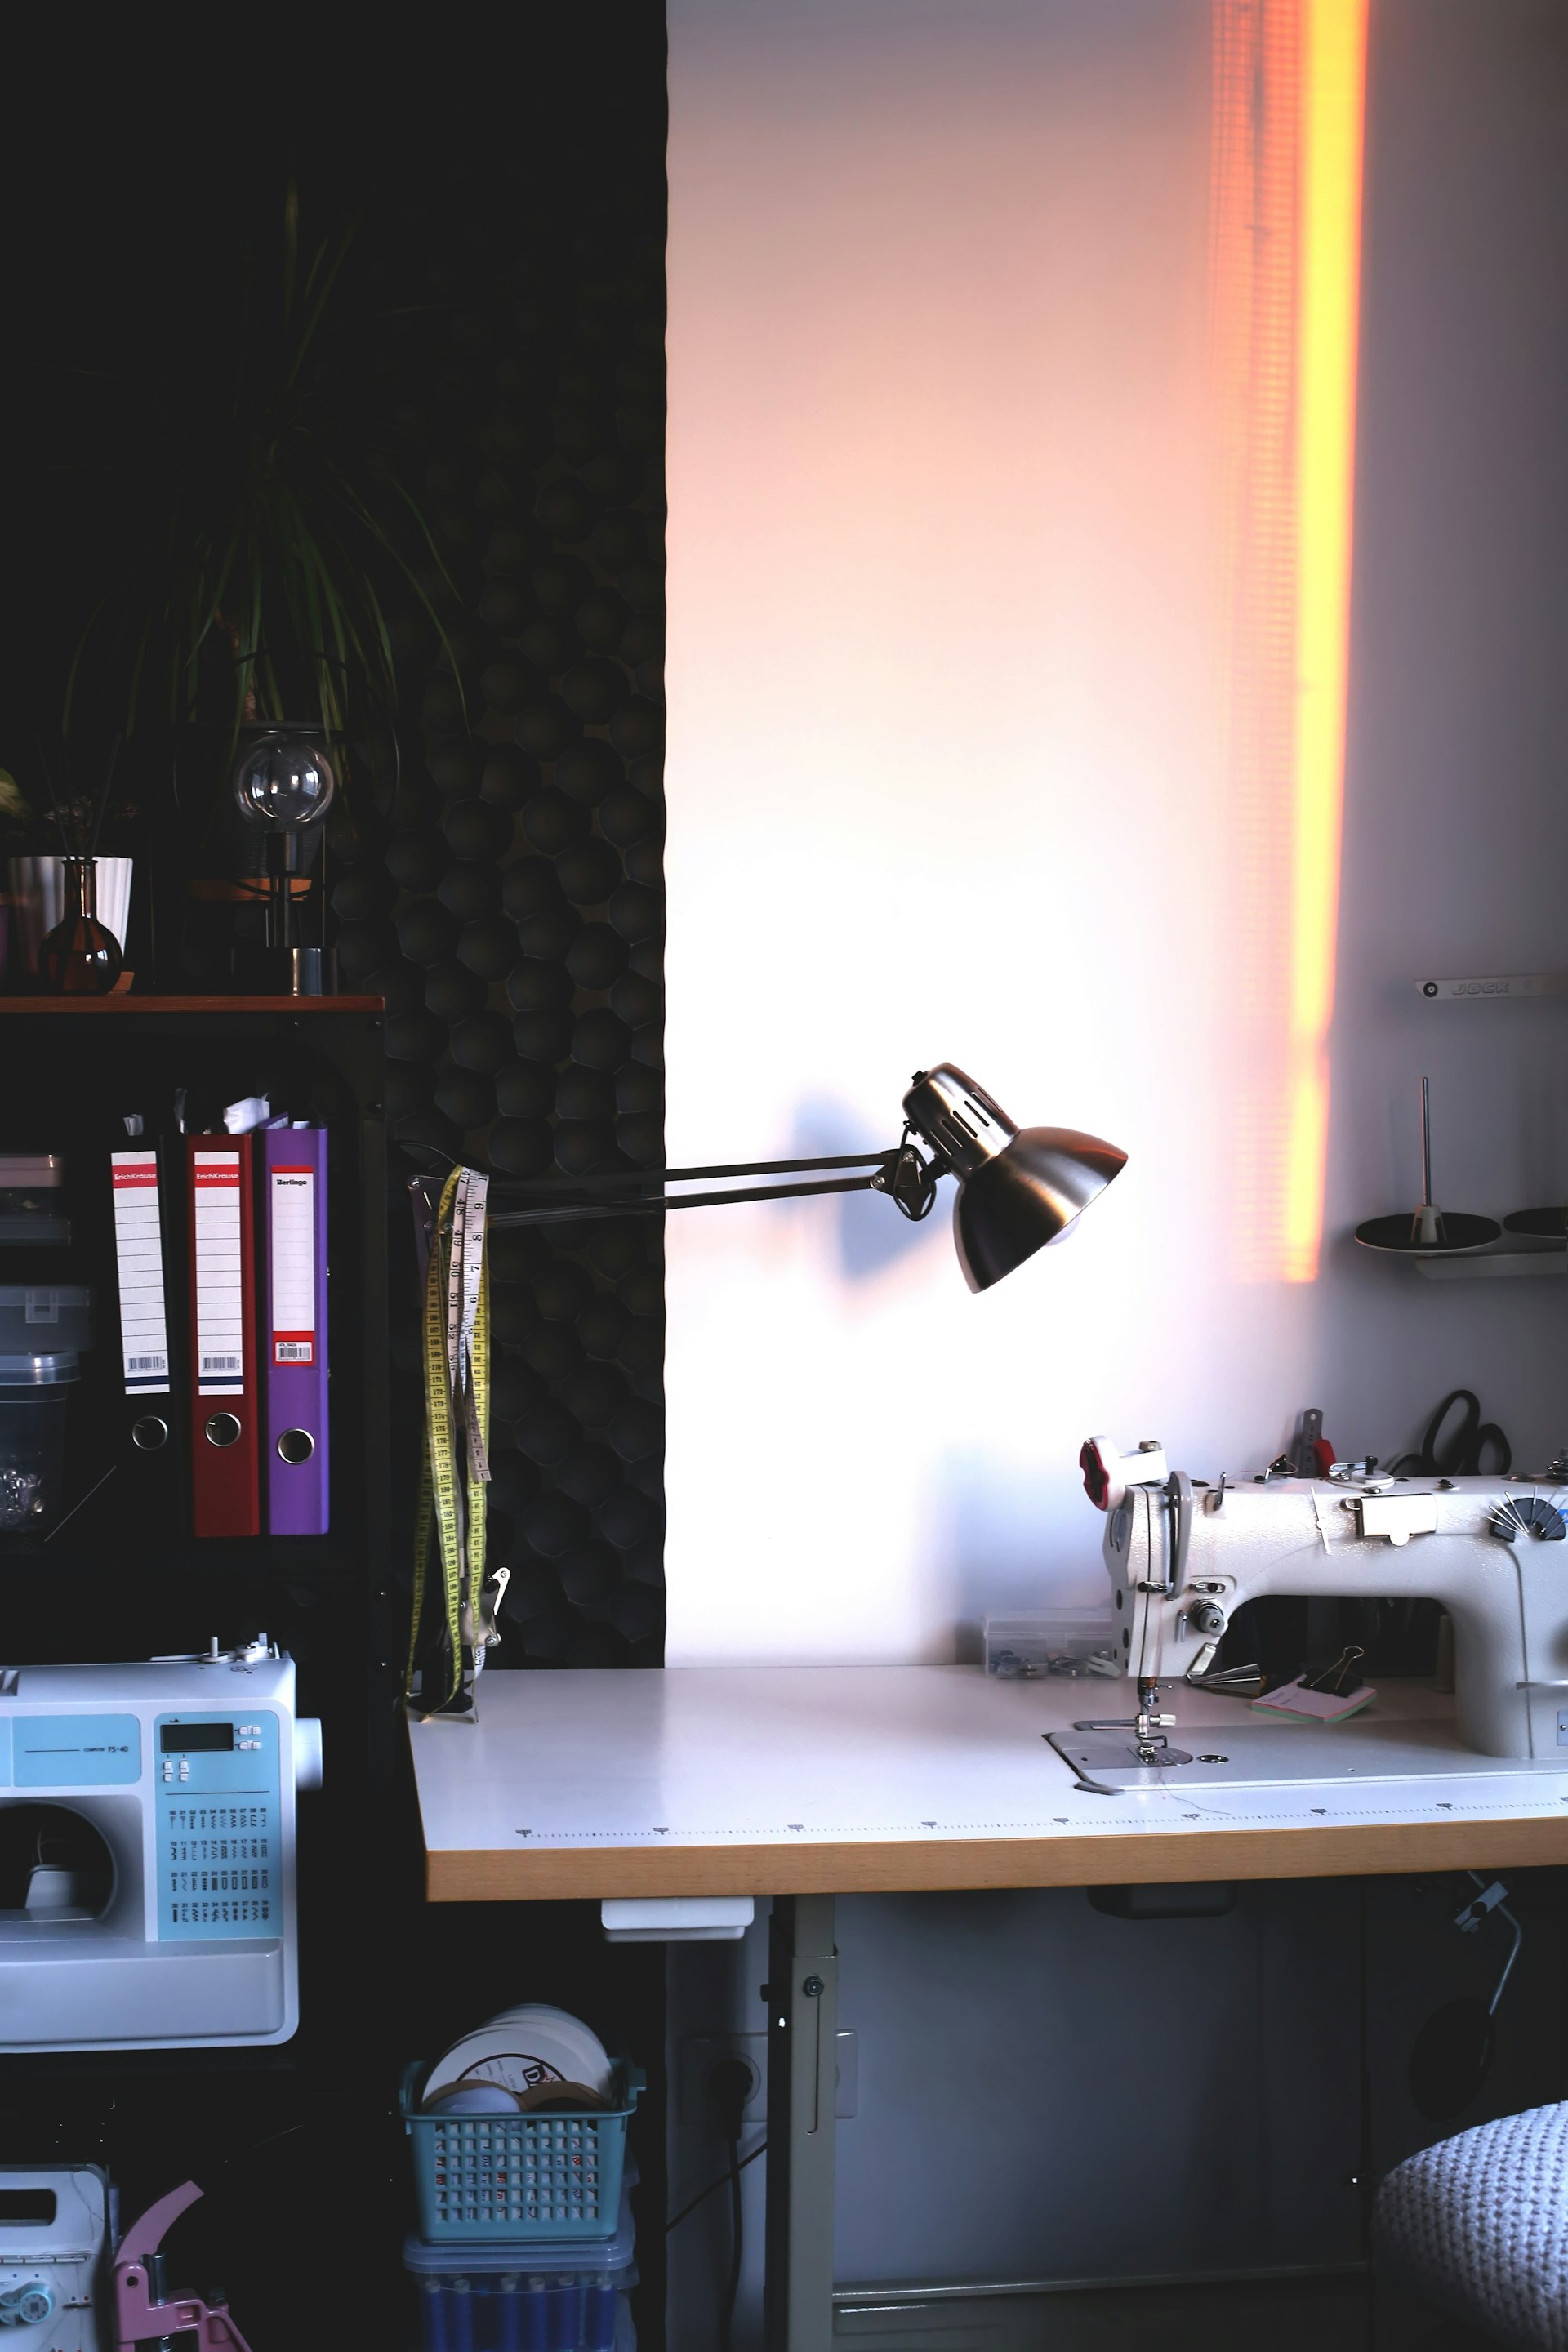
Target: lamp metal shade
(1019, 1189)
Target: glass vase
(79, 957)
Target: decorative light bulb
(284, 781)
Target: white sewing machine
(151, 1808)
(1183, 1555)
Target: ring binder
(294, 1217)
(225, 1483)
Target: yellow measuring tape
(454, 1470)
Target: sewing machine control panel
(219, 1812)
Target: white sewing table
(801, 1782)
(864, 1780)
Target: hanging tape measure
(454, 1470)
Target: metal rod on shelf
(1426, 1144)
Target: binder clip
(1339, 1679)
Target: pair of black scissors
(1458, 1453)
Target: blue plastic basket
(514, 2177)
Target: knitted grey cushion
(1480, 2223)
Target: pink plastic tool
(144, 2310)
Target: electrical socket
(699, 2054)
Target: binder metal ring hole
(222, 1429)
(149, 1433)
(296, 1445)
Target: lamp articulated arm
(1018, 1188)
(902, 1173)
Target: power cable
(703, 2194)
(730, 2085)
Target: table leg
(802, 2025)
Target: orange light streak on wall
(1333, 85)
(1289, 113)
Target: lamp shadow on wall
(996, 1559)
(869, 1235)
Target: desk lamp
(1018, 1188)
(283, 782)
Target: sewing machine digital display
(191, 1739)
(218, 1806)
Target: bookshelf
(280, 2137)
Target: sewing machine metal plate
(1244, 1754)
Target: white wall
(943, 779)
(936, 592)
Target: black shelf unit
(285, 2140)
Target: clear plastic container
(1071, 1645)
(550, 2296)
(33, 1200)
(39, 1318)
(33, 1394)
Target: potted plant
(255, 609)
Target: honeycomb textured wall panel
(507, 898)
(493, 343)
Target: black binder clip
(1339, 1680)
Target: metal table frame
(799, 1784)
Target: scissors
(1458, 1454)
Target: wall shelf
(1498, 1266)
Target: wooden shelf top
(130, 1003)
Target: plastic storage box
(42, 1325)
(33, 1200)
(40, 1319)
(1070, 1643)
(555, 2295)
(514, 2179)
(34, 1390)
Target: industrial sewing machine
(147, 1818)
(1183, 1555)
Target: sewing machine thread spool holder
(1428, 1231)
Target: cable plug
(730, 2082)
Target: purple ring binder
(294, 1332)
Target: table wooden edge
(1338, 1850)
